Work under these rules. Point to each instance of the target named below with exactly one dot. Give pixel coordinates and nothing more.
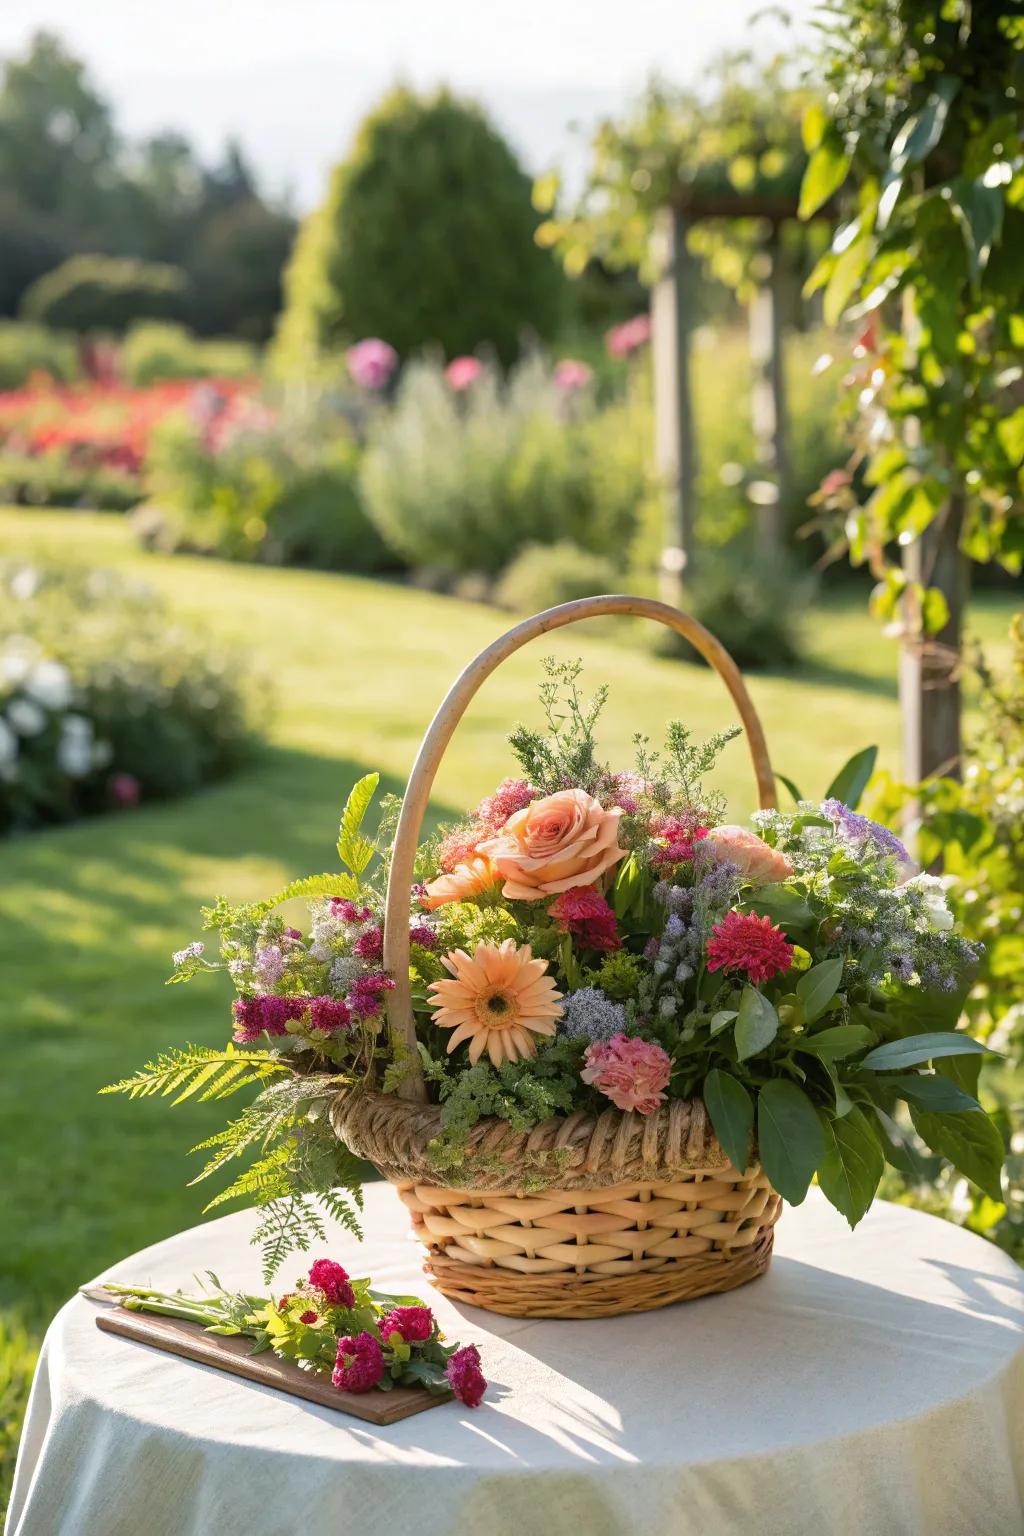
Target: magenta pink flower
(413, 1324)
(371, 363)
(463, 372)
(348, 911)
(583, 912)
(676, 836)
(125, 789)
(309, 1316)
(752, 945)
(465, 1377)
(629, 337)
(511, 795)
(425, 937)
(632, 1073)
(359, 1364)
(366, 994)
(268, 1014)
(571, 374)
(332, 1280)
(370, 945)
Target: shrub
(426, 237)
(103, 700)
(156, 350)
(461, 481)
(543, 575)
(59, 479)
(235, 264)
(32, 349)
(254, 484)
(105, 293)
(751, 605)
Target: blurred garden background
(274, 464)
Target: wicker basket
(580, 1217)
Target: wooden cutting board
(179, 1337)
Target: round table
(870, 1382)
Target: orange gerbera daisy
(499, 999)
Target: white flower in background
(17, 658)
(932, 891)
(74, 750)
(8, 746)
(50, 684)
(26, 717)
(24, 584)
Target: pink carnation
(372, 362)
(511, 795)
(752, 945)
(359, 1364)
(465, 1376)
(583, 912)
(571, 374)
(632, 1073)
(413, 1324)
(463, 372)
(332, 1281)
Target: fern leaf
(340, 884)
(354, 850)
(184, 1071)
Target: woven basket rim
(575, 1151)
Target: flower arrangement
(591, 939)
(331, 1324)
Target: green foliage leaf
(757, 1023)
(338, 884)
(198, 1070)
(851, 781)
(978, 210)
(933, 1091)
(732, 1114)
(837, 1043)
(852, 1165)
(791, 787)
(790, 1139)
(817, 987)
(354, 850)
(922, 131)
(970, 1141)
(826, 171)
(914, 1049)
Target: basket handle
(396, 914)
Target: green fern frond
(354, 850)
(185, 1072)
(340, 884)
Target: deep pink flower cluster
(332, 1280)
(270, 1015)
(309, 1316)
(583, 912)
(465, 1377)
(359, 1364)
(459, 846)
(752, 945)
(632, 1073)
(425, 937)
(365, 995)
(511, 795)
(370, 945)
(413, 1324)
(348, 911)
(628, 337)
(680, 834)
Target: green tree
(105, 293)
(426, 237)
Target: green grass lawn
(90, 913)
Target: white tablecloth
(870, 1383)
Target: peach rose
(464, 881)
(757, 861)
(564, 840)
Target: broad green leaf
(354, 850)
(846, 275)
(817, 987)
(1010, 432)
(917, 1048)
(933, 1091)
(922, 131)
(965, 1071)
(784, 906)
(895, 1148)
(970, 1141)
(791, 787)
(721, 1020)
(790, 1139)
(757, 1023)
(814, 126)
(979, 212)
(837, 1043)
(852, 1166)
(851, 781)
(628, 885)
(732, 1114)
(826, 171)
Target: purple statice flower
(365, 995)
(268, 965)
(861, 829)
(190, 952)
(591, 1016)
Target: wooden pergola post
(930, 666)
(768, 397)
(674, 438)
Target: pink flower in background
(632, 1073)
(622, 340)
(413, 1324)
(752, 945)
(125, 789)
(465, 1377)
(751, 854)
(463, 372)
(332, 1279)
(359, 1365)
(371, 363)
(571, 374)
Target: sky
(292, 78)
